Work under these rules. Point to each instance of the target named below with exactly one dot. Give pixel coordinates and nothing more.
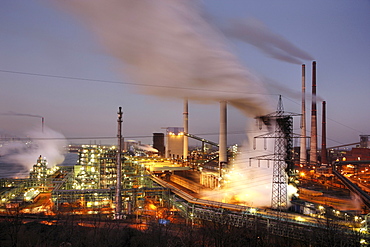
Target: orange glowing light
(152, 207)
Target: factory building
(364, 141)
(93, 180)
(87, 169)
(158, 143)
(174, 142)
(39, 173)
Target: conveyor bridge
(195, 210)
(351, 186)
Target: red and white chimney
(313, 145)
(303, 148)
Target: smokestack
(186, 128)
(313, 146)
(118, 209)
(223, 136)
(324, 158)
(42, 124)
(303, 150)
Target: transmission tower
(283, 165)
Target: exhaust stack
(324, 157)
(223, 136)
(118, 209)
(186, 129)
(303, 150)
(313, 145)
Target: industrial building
(174, 142)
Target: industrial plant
(309, 190)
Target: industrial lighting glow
(299, 218)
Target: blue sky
(44, 50)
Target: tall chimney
(186, 128)
(223, 136)
(42, 124)
(303, 150)
(324, 157)
(118, 209)
(313, 146)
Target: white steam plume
(170, 46)
(255, 33)
(249, 182)
(50, 144)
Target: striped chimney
(313, 145)
(303, 149)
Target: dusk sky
(54, 65)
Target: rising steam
(169, 46)
(49, 143)
(249, 182)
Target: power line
(128, 83)
(156, 86)
(328, 119)
(97, 137)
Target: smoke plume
(168, 46)
(10, 113)
(255, 33)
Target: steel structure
(118, 208)
(196, 210)
(283, 167)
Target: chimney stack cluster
(313, 136)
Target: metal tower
(283, 166)
(118, 209)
